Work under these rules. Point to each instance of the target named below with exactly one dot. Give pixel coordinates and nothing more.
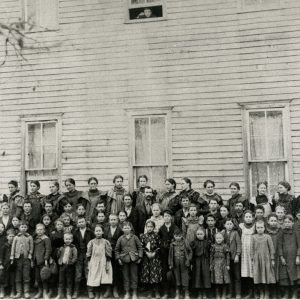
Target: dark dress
(168, 201)
(151, 268)
(75, 197)
(215, 196)
(53, 199)
(286, 201)
(191, 194)
(15, 201)
(36, 200)
(200, 263)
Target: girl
(169, 200)
(234, 244)
(283, 197)
(180, 255)
(15, 222)
(47, 222)
(262, 198)
(129, 252)
(115, 196)
(191, 224)
(247, 229)
(236, 197)
(289, 254)
(263, 259)
(156, 217)
(122, 218)
(53, 196)
(99, 253)
(36, 199)
(224, 213)
(220, 266)
(151, 274)
(200, 263)
(41, 256)
(15, 199)
(68, 227)
(209, 193)
(273, 230)
(280, 213)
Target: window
(145, 10)
(41, 14)
(267, 147)
(150, 155)
(259, 4)
(41, 151)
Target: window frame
(38, 27)
(143, 113)
(128, 6)
(282, 106)
(25, 121)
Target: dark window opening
(146, 12)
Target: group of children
(144, 244)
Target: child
(15, 223)
(234, 244)
(131, 212)
(5, 219)
(263, 260)
(191, 224)
(259, 213)
(273, 230)
(280, 213)
(200, 263)
(80, 212)
(220, 265)
(46, 220)
(28, 217)
(41, 256)
(151, 263)
(49, 210)
(82, 236)
(224, 214)
(214, 208)
(57, 237)
(247, 229)
(68, 227)
(129, 252)
(156, 217)
(289, 254)
(67, 256)
(112, 232)
(68, 210)
(122, 218)
(183, 213)
(100, 220)
(36, 199)
(211, 229)
(21, 254)
(166, 235)
(100, 207)
(7, 267)
(99, 253)
(262, 198)
(180, 255)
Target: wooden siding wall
(206, 58)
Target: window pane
(259, 173)
(49, 145)
(158, 140)
(34, 146)
(142, 141)
(277, 173)
(275, 135)
(257, 135)
(159, 175)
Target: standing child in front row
(234, 244)
(151, 274)
(247, 228)
(180, 255)
(99, 253)
(6, 267)
(129, 252)
(289, 254)
(220, 266)
(263, 260)
(200, 263)
(21, 254)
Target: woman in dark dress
(284, 198)
(53, 197)
(209, 193)
(168, 200)
(187, 191)
(236, 196)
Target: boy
(112, 232)
(21, 253)
(67, 256)
(100, 206)
(280, 213)
(68, 210)
(80, 212)
(183, 212)
(166, 235)
(5, 219)
(41, 256)
(82, 236)
(7, 267)
(129, 252)
(211, 229)
(28, 217)
(50, 211)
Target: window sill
(145, 20)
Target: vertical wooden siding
(205, 59)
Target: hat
(168, 211)
(45, 273)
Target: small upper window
(146, 10)
(41, 14)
